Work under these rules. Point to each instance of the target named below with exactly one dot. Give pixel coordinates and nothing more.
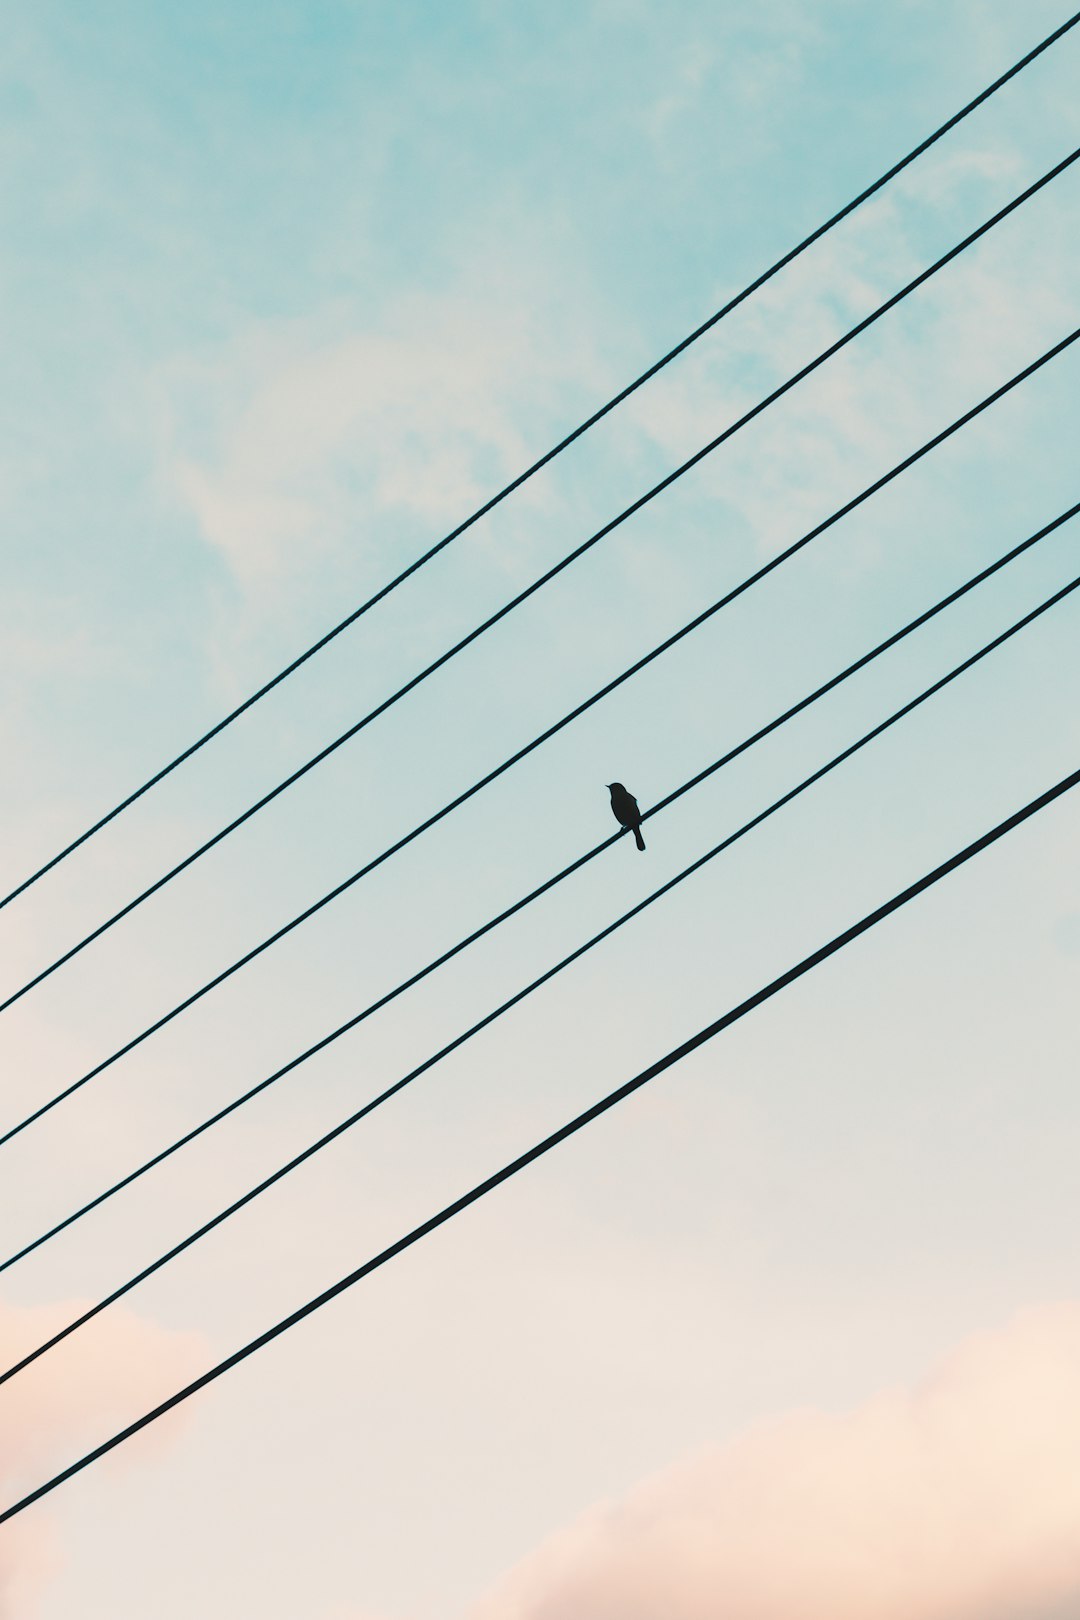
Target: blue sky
(287, 296)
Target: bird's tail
(638, 840)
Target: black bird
(624, 807)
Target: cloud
(70, 1400)
(353, 1614)
(285, 442)
(955, 1500)
(886, 394)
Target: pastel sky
(288, 290)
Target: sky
(289, 292)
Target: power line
(545, 1146)
(550, 455)
(521, 753)
(537, 584)
(519, 905)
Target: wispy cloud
(960, 335)
(279, 443)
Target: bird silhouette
(624, 807)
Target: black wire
(564, 1132)
(556, 450)
(519, 905)
(537, 584)
(521, 753)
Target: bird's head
(614, 786)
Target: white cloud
(960, 335)
(935, 178)
(956, 1500)
(289, 443)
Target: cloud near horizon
(72, 1398)
(958, 1499)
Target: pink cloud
(955, 1500)
(73, 1398)
(352, 1614)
